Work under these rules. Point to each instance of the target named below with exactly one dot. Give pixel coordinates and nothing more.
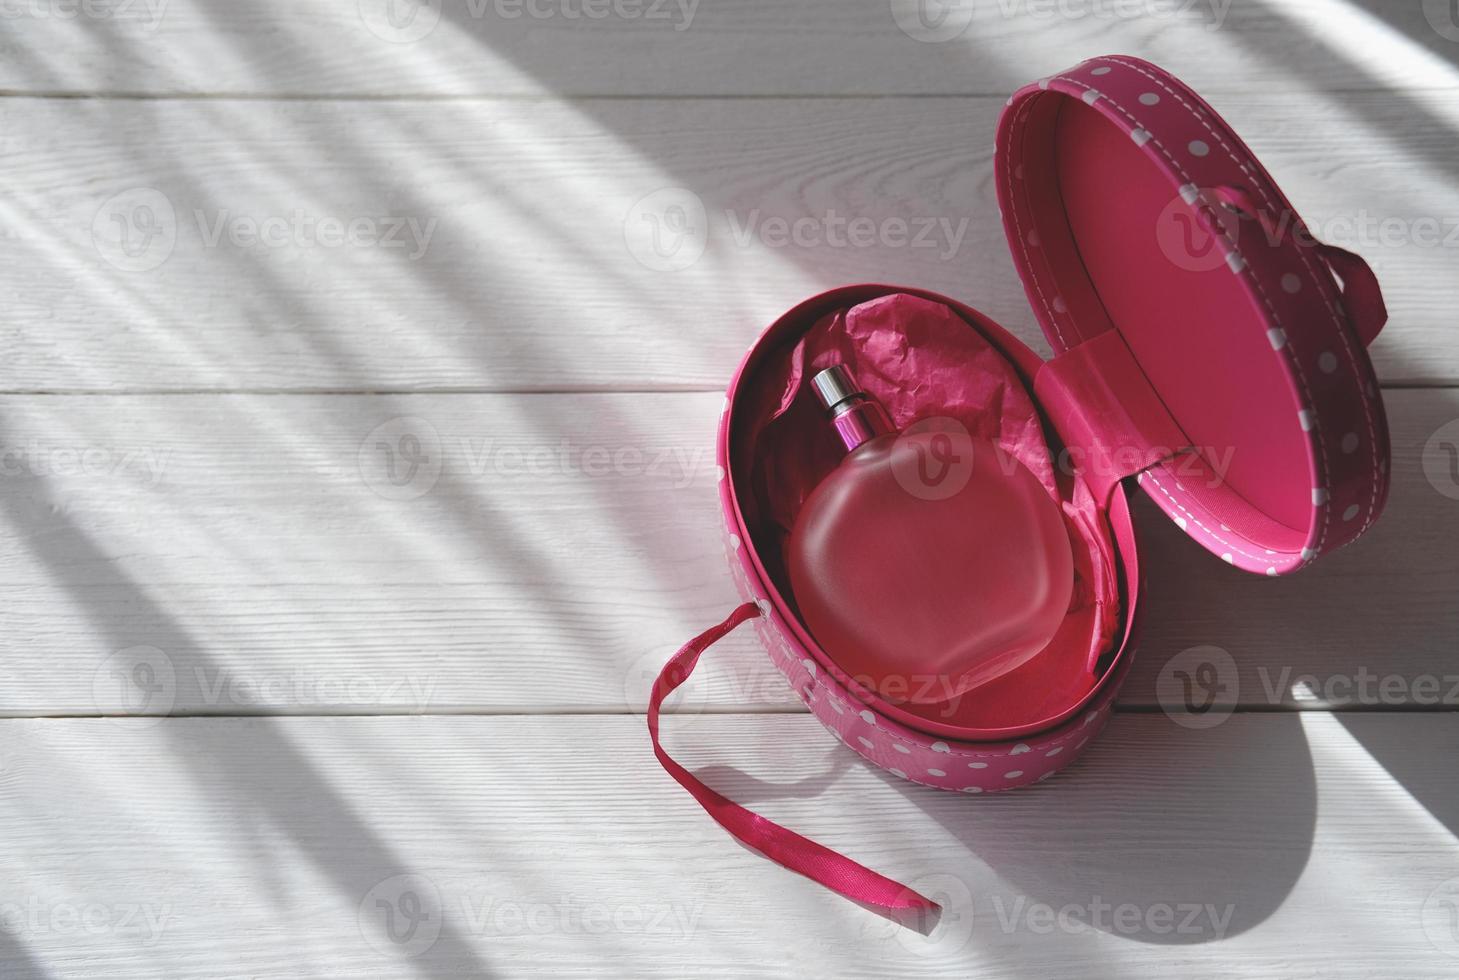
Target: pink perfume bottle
(929, 562)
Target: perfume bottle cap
(835, 385)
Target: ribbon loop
(785, 847)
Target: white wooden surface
(192, 488)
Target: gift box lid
(1194, 319)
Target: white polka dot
(719, 473)
(1090, 96)
(1308, 554)
(1089, 719)
(1271, 570)
(901, 748)
(1198, 148)
(1149, 98)
(1140, 136)
(1291, 283)
(1101, 70)
(1228, 559)
(865, 742)
(936, 772)
(977, 765)
(1033, 237)
(1306, 419)
(1180, 522)
(1327, 361)
(836, 706)
(1053, 752)
(1319, 496)
(810, 667)
(1350, 442)
(1019, 749)
(868, 717)
(972, 789)
(1189, 193)
(940, 747)
(735, 541)
(1013, 774)
(1060, 306)
(897, 772)
(1350, 513)
(1278, 338)
(1018, 172)
(1043, 83)
(1235, 262)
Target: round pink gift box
(1204, 344)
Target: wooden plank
(490, 246)
(684, 47)
(556, 846)
(254, 553)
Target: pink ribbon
(784, 847)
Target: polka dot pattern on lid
(1196, 149)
